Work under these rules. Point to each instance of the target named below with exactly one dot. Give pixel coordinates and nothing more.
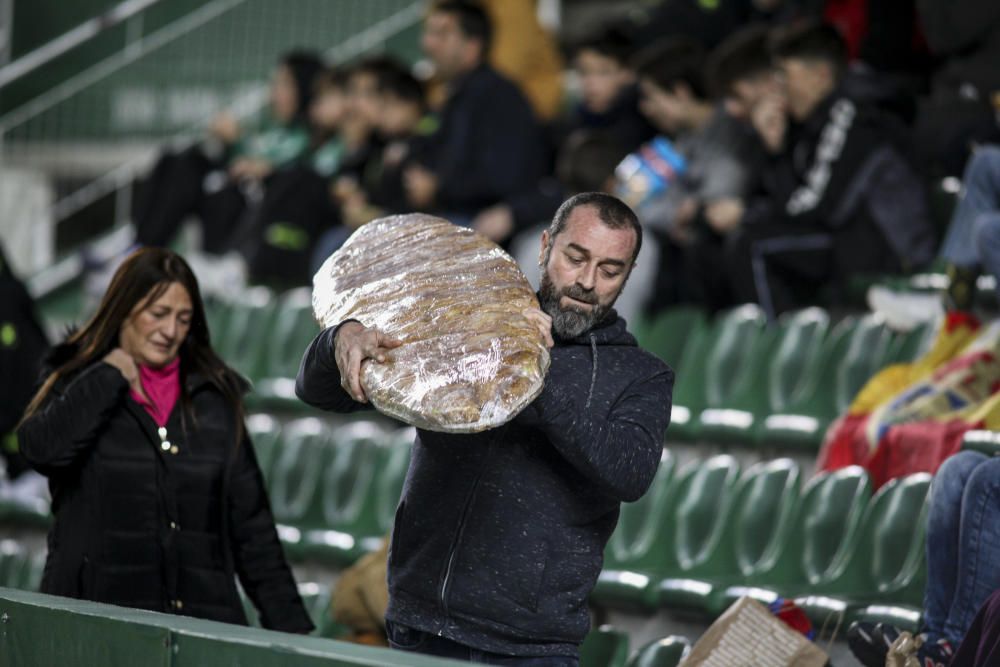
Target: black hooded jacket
(156, 525)
(499, 536)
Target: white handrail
(69, 40)
(111, 64)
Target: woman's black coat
(156, 523)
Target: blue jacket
(499, 536)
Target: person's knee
(984, 479)
(953, 475)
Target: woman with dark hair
(157, 496)
(213, 178)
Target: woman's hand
(124, 362)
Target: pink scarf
(162, 386)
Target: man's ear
(545, 244)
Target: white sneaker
(904, 311)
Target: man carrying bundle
(499, 535)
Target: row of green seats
(707, 534)
(742, 381)
(333, 490)
(263, 336)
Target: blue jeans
(973, 238)
(403, 638)
(963, 543)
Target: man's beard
(569, 322)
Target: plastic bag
(470, 360)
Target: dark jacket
(488, 145)
(499, 535)
(842, 172)
(623, 121)
(141, 526)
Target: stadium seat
(347, 507)
(12, 559)
(604, 647)
(693, 508)
(666, 652)
(265, 434)
(780, 358)
(638, 544)
(851, 354)
(668, 334)
(710, 359)
(293, 330)
(756, 528)
(886, 566)
(909, 346)
(247, 330)
(317, 597)
(987, 442)
(297, 480)
(827, 521)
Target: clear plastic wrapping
(470, 359)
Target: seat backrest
(909, 346)
(349, 478)
(743, 336)
(264, 432)
(865, 355)
(666, 652)
(12, 558)
(294, 328)
(763, 512)
(670, 332)
(703, 499)
(604, 647)
(798, 356)
(296, 484)
(248, 331)
(832, 512)
(893, 528)
(641, 523)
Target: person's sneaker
(935, 654)
(867, 644)
(904, 311)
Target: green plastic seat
(987, 442)
(247, 331)
(297, 481)
(853, 352)
(604, 647)
(911, 345)
(778, 359)
(294, 329)
(669, 333)
(887, 564)
(389, 486)
(347, 507)
(12, 559)
(827, 521)
(666, 652)
(695, 505)
(757, 526)
(710, 358)
(265, 434)
(638, 544)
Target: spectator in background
(609, 96)
(401, 126)
(964, 36)
(741, 73)
(838, 199)
(158, 500)
(211, 179)
(23, 344)
(488, 146)
(280, 233)
(701, 198)
(526, 53)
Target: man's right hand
(355, 344)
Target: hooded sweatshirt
(499, 536)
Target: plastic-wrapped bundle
(470, 360)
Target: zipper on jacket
(461, 529)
